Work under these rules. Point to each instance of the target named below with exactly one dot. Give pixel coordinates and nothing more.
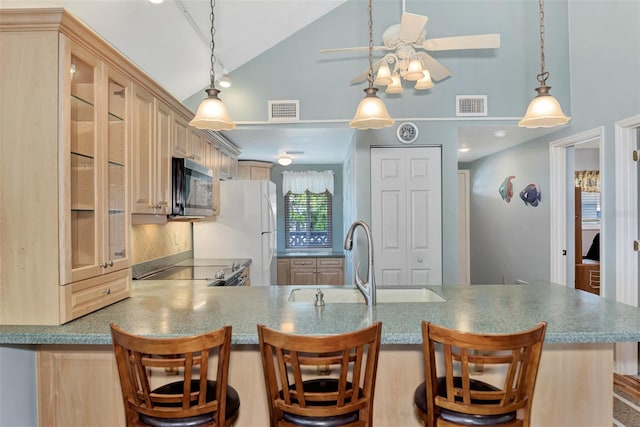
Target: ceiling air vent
(471, 105)
(284, 111)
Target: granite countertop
(174, 308)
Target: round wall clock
(407, 133)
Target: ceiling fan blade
(411, 26)
(480, 41)
(436, 69)
(365, 74)
(352, 49)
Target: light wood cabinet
(228, 164)
(283, 272)
(254, 170)
(151, 154)
(315, 271)
(65, 215)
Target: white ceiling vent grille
(284, 111)
(471, 105)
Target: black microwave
(192, 189)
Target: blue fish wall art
(531, 195)
(506, 189)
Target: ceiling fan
(406, 43)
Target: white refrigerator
(244, 228)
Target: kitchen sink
(353, 295)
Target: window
(307, 220)
(590, 208)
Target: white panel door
(406, 215)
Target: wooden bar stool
(457, 399)
(320, 381)
(193, 400)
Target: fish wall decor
(506, 189)
(531, 195)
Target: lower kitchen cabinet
(315, 271)
(283, 272)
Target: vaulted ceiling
(170, 42)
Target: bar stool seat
(177, 387)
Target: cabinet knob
(106, 291)
(419, 259)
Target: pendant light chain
(544, 75)
(370, 76)
(212, 73)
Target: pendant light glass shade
(371, 112)
(414, 71)
(212, 114)
(425, 82)
(383, 77)
(544, 111)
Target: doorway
(562, 184)
(627, 260)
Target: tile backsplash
(152, 241)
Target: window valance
(588, 181)
(298, 182)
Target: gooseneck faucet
(367, 288)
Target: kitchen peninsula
(574, 385)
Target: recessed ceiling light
(500, 134)
(463, 149)
(156, 1)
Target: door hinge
(636, 246)
(635, 155)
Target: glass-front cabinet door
(99, 227)
(84, 180)
(116, 173)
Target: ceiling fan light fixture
(544, 111)
(414, 71)
(396, 85)
(212, 114)
(383, 78)
(425, 82)
(371, 112)
(225, 80)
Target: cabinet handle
(102, 265)
(106, 291)
(110, 263)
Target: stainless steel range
(228, 274)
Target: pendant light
(212, 114)
(371, 112)
(544, 111)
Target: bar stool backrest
(187, 358)
(515, 359)
(320, 376)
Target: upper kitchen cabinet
(64, 127)
(228, 163)
(254, 170)
(151, 154)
